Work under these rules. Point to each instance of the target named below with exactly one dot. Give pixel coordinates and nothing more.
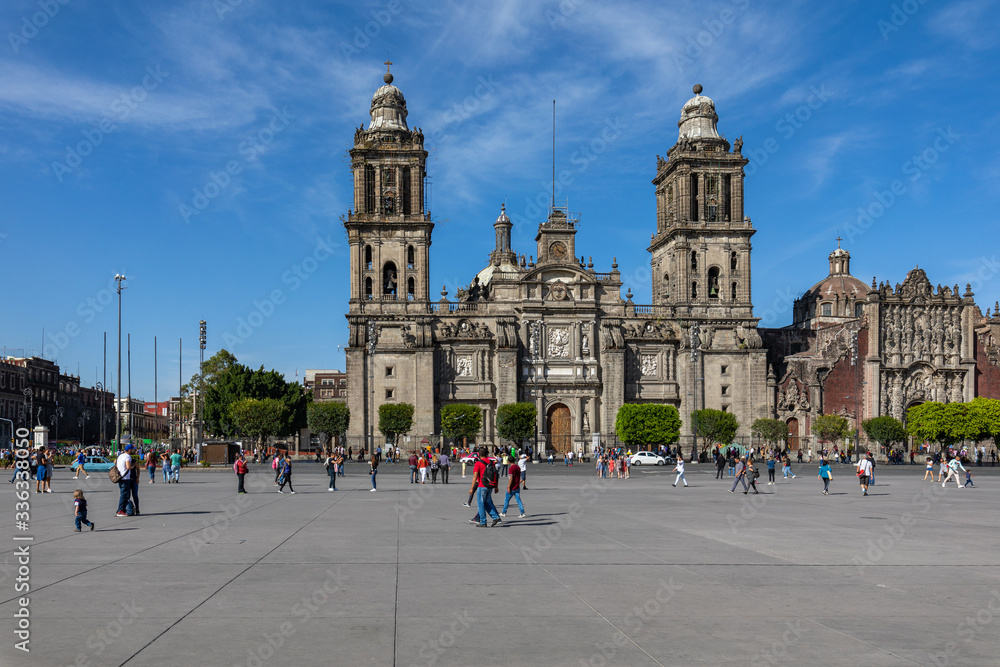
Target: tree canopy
(945, 423)
(884, 430)
(715, 425)
(460, 420)
(830, 428)
(258, 418)
(330, 418)
(770, 430)
(516, 421)
(394, 420)
(642, 424)
(228, 381)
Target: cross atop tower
(838, 242)
(387, 63)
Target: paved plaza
(600, 572)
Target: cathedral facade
(552, 330)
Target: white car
(647, 459)
(472, 459)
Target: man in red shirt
(513, 490)
(413, 467)
(485, 471)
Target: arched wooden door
(560, 428)
(793, 433)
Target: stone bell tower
(389, 231)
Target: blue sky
(199, 148)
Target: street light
(695, 344)
(100, 388)
(54, 420)
(82, 423)
(535, 343)
(29, 397)
(202, 338)
(372, 339)
(118, 408)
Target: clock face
(558, 249)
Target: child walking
(968, 478)
(81, 510)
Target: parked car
(472, 459)
(647, 459)
(94, 463)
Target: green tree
(984, 413)
(715, 425)
(830, 428)
(640, 424)
(258, 418)
(460, 420)
(394, 420)
(232, 382)
(944, 423)
(923, 422)
(770, 430)
(884, 430)
(516, 421)
(328, 418)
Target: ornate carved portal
(559, 426)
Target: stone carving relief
(748, 338)
(464, 329)
(558, 342)
(647, 364)
(611, 335)
(464, 366)
(921, 332)
(791, 399)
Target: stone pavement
(614, 572)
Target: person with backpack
(286, 475)
(486, 472)
(241, 469)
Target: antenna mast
(553, 155)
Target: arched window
(369, 189)
(666, 284)
(404, 186)
(859, 309)
(368, 288)
(827, 310)
(733, 261)
(389, 278)
(694, 289)
(694, 260)
(411, 288)
(410, 255)
(713, 283)
(368, 257)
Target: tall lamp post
(82, 423)
(372, 339)
(118, 407)
(100, 408)
(29, 398)
(202, 338)
(54, 420)
(695, 344)
(534, 343)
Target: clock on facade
(558, 249)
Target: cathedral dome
(388, 108)
(836, 298)
(698, 118)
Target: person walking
(771, 464)
(124, 465)
(373, 470)
(175, 466)
(435, 465)
(513, 491)
(165, 465)
(929, 470)
(413, 467)
(241, 469)
(422, 467)
(331, 470)
(953, 467)
(277, 464)
(752, 474)
(739, 471)
(80, 511)
(286, 475)
(151, 459)
(864, 472)
(731, 461)
(826, 475)
(445, 464)
(134, 483)
(786, 468)
(720, 465)
(679, 469)
(522, 463)
(485, 471)
(81, 459)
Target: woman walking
(771, 463)
(286, 475)
(422, 467)
(151, 465)
(752, 475)
(331, 470)
(679, 469)
(165, 464)
(373, 469)
(826, 475)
